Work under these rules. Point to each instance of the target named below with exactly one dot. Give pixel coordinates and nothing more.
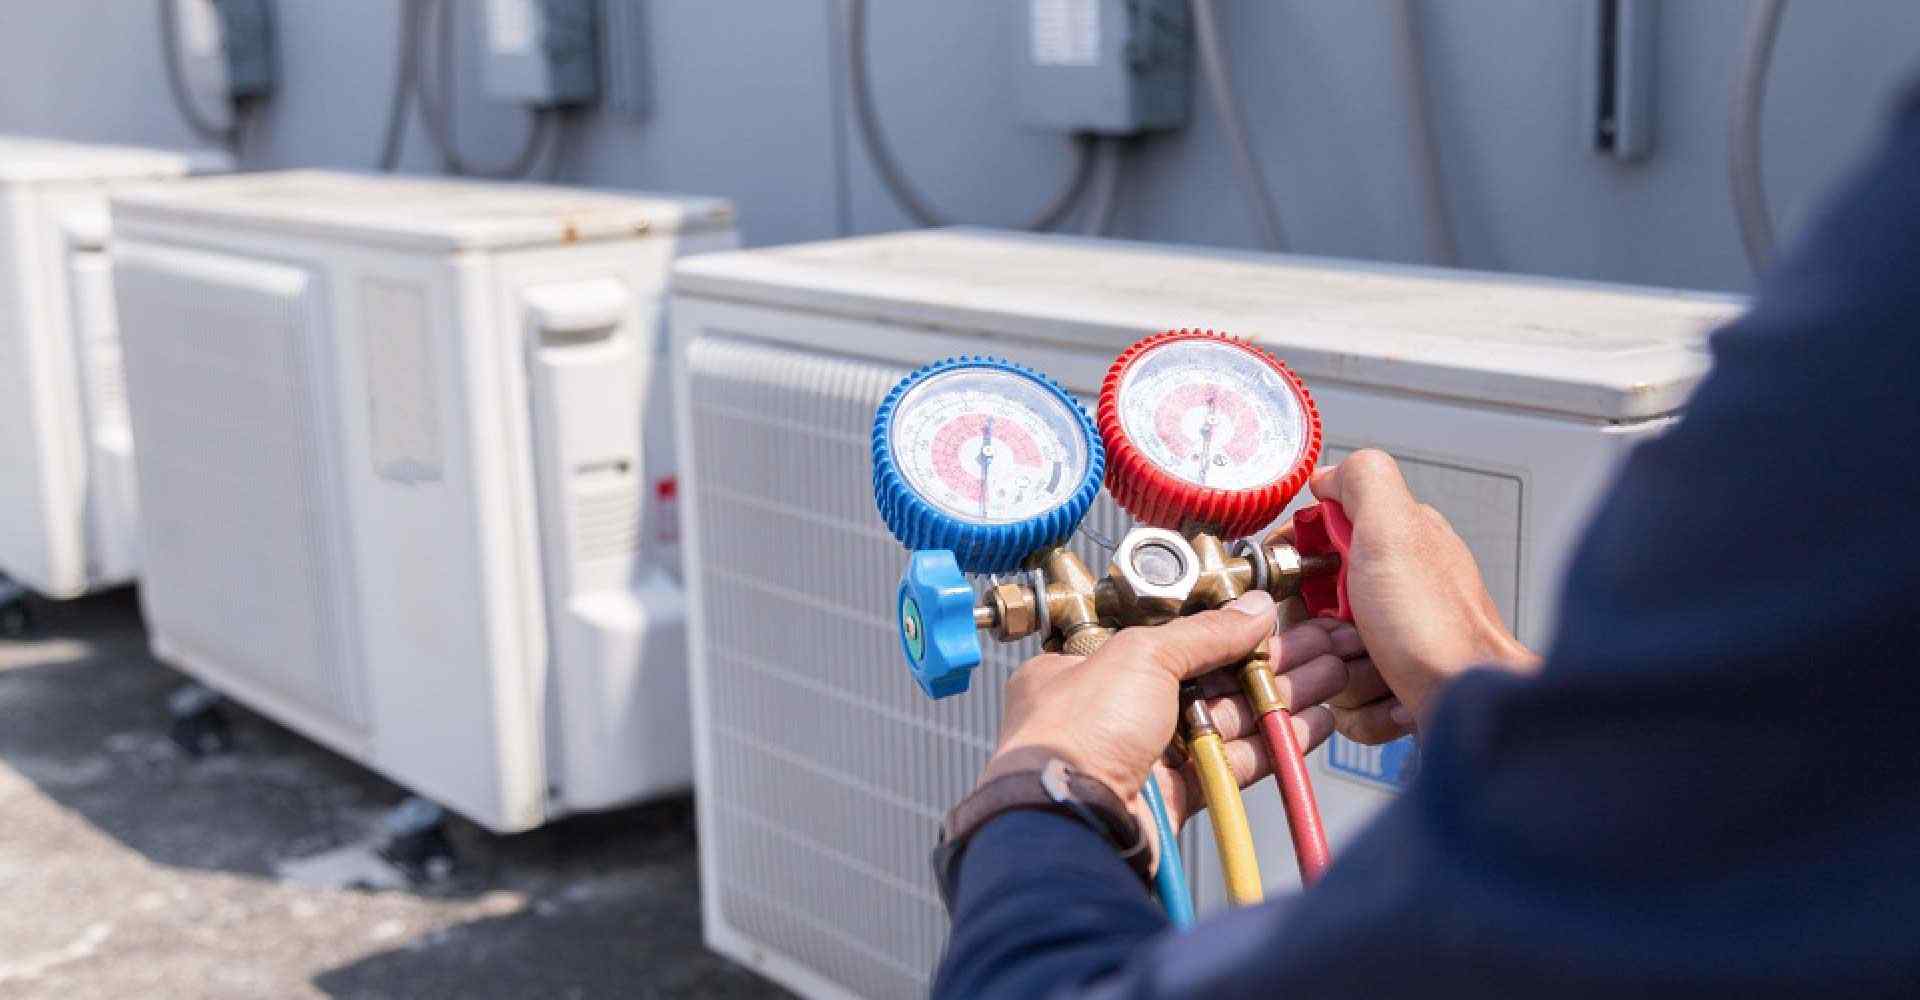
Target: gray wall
(747, 104)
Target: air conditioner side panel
(111, 511)
(42, 542)
(238, 481)
(588, 339)
(444, 566)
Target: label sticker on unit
(1390, 766)
(403, 415)
(1065, 32)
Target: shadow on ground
(133, 868)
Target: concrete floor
(129, 868)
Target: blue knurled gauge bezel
(978, 548)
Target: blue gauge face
(989, 446)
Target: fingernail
(1253, 603)
(1343, 633)
(1400, 715)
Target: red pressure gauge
(1205, 430)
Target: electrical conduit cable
(1170, 879)
(1743, 132)
(405, 79)
(436, 105)
(1424, 151)
(1104, 195)
(1214, 66)
(894, 176)
(1232, 834)
(196, 119)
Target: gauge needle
(986, 464)
(1206, 434)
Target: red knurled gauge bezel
(1153, 496)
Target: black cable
(1423, 149)
(1217, 68)
(1104, 193)
(1744, 173)
(405, 78)
(894, 176)
(437, 108)
(227, 135)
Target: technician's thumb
(1196, 644)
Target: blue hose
(1171, 878)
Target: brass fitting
(1155, 576)
(1153, 573)
(1071, 604)
(1221, 578)
(1015, 609)
(1286, 567)
(1084, 641)
(1256, 680)
(1195, 718)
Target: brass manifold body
(1155, 575)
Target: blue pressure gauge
(977, 464)
(986, 458)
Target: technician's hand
(1418, 599)
(1112, 715)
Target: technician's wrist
(1025, 755)
(1492, 647)
(1034, 778)
(1500, 650)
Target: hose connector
(1195, 718)
(1257, 682)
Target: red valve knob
(1181, 404)
(1323, 529)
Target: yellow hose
(1231, 832)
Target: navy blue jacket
(1713, 789)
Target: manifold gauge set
(985, 468)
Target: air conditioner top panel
(1596, 351)
(417, 213)
(25, 159)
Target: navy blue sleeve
(1712, 789)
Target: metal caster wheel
(16, 619)
(200, 727)
(417, 842)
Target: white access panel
(67, 512)
(403, 458)
(823, 770)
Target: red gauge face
(988, 446)
(1206, 429)
(1212, 414)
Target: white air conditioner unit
(67, 511)
(407, 477)
(823, 770)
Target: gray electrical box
(1113, 67)
(542, 52)
(246, 46)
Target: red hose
(1296, 790)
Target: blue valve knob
(936, 623)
